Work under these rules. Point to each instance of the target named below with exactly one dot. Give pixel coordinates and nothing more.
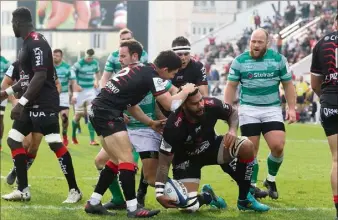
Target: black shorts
(106, 122)
(189, 167)
(300, 99)
(37, 121)
(255, 129)
(329, 120)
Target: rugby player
(190, 143)
(260, 71)
(87, 72)
(4, 65)
(125, 90)
(324, 82)
(37, 109)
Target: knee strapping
(193, 203)
(53, 138)
(13, 144)
(15, 135)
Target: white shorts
(144, 139)
(254, 114)
(3, 106)
(84, 99)
(64, 99)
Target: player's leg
(15, 138)
(90, 128)
(2, 127)
(83, 14)
(64, 113)
(78, 113)
(50, 128)
(117, 145)
(273, 130)
(238, 162)
(250, 126)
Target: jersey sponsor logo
(38, 56)
(182, 166)
(197, 129)
(330, 112)
(37, 114)
(260, 75)
(178, 122)
(331, 77)
(209, 102)
(332, 37)
(111, 88)
(159, 84)
(35, 36)
(202, 147)
(226, 106)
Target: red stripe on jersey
(330, 49)
(18, 151)
(331, 43)
(159, 93)
(202, 83)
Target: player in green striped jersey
(4, 65)
(87, 72)
(260, 71)
(66, 78)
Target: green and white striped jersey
(64, 75)
(113, 64)
(4, 65)
(85, 72)
(260, 78)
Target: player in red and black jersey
(324, 82)
(124, 91)
(37, 109)
(190, 143)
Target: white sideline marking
(51, 207)
(56, 177)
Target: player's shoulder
(275, 55)
(330, 37)
(211, 102)
(175, 120)
(196, 64)
(243, 57)
(36, 39)
(66, 65)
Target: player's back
(129, 86)
(36, 55)
(325, 62)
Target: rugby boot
(257, 192)
(18, 195)
(272, 189)
(112, 206)
(10, 179)
(142, 213)
(73, 196)
(252, 204)
(97, 209)
(74, 140)
(217, 202)
(94, 143)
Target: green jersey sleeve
(284, 70)
(144, 57)
(74, 69)
(234, 72)
(110, 64)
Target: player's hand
(126, 119)
(229, 139)
(291, 116)
(14, 102)
(158, 125)
(189, 88)
(3, 96)
(17, 112)
(166, 202)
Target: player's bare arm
(230, 92)
(233, 121)
(17, 87)
(158, 112)
(6, 83)
(290, 95)
(316, 82)
(105, 77)
(97, 79)
(173, 90)
(58, 85)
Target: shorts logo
(330, 111)
(37, 114)
(111, 124)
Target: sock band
(127, 166)
(18, 151)
(61, 151)
(247, 160)
(335, 199)
(112, 166)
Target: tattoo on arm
(164, 162)
(233, 120)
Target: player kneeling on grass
(190, 143)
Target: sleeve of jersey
(234, 71)
(109, 67)
(222, 109)
(202, 77)
(316, 68)
(157, 86)
(10, 72)
(285, 71)
(39, 55)
(72, 75)
(73, 69)
(168, 85)
(170, 140)
(98, 66)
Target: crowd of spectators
(293, 49)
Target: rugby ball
(176, 191)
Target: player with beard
(260, 71)
(190, 143)
(324, 82)
(124, 91)
(37, 109)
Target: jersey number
(336, 58)
(123, 72)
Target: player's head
(181, 46)
(57, 56)
(22, 19)
(259, 43)
(130, 52)
(167, 64)
(193, 106)
(336, 22)
(89, 55)
(125, 34)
